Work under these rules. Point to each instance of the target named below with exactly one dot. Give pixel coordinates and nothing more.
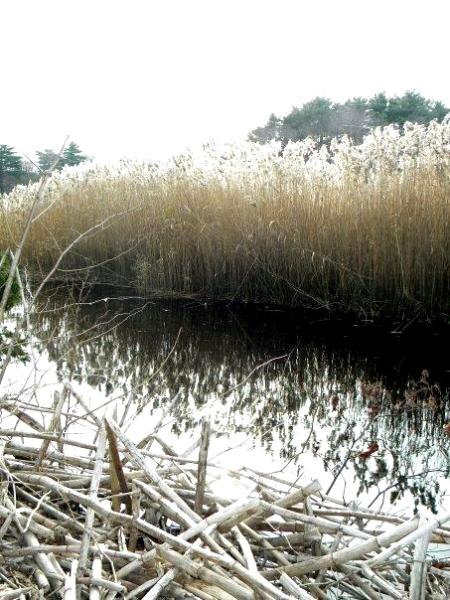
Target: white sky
(148, 78)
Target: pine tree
(11, 169)
(322, 119)
(46, 160)
(72, 155)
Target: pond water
(362, 408)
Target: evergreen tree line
(14, 170)
(323, 119)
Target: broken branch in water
(140, 524)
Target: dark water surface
(366, 402)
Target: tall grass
(14, 295)
(362, 228)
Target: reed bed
(98, 516)
(347, 227)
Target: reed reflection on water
(366, 401)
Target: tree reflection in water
(366, 401)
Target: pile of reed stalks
(99, 516)
(347, 228)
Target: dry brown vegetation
(98, 516)
(361, 228)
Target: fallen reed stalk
(269, 544)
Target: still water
(363, 405)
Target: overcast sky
(148, 78)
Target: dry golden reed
(362, 228)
